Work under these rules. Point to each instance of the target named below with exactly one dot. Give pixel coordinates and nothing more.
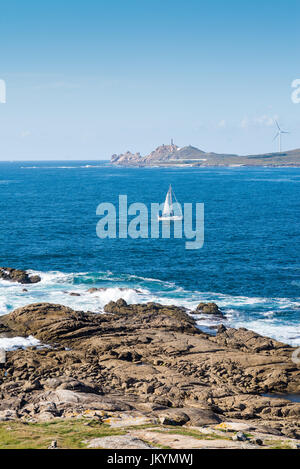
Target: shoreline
(104, 162)
(146, 364)
(168, 155)
(187, 165)
(72, 290)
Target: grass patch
(145, 426)
(192, 433)
(157, 445)
(277, 444)
(68, 433)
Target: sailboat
(168, 213)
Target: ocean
(249, 264)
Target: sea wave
(87, 166)
(275, 317)
(8, 181)
(14, 343)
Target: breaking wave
(274, 317)
(14, 343)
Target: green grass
(69, 434)
(192, 433)
(157, 445)
(277, 444)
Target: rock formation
(16, 275)
(145, 358)
(209, 308)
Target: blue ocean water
(249, 264)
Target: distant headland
(172, 155)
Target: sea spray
(275, 317)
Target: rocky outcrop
(246, 340)
(145, 358)
(161, 154)
(209, 308)
(168, 155)
(118, 442)
(53, 323)
(16, 275)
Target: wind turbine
(278, 135)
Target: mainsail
(168, 210)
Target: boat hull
(174, 218)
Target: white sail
(168, 209)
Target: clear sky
(86, 79)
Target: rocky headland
(150, 364)
(173, 155)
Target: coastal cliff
(172, 155)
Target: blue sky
(86, 79)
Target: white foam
(14, 343)
(289, 334)
(52, 277)
(8, 181)
(56, 286)
(49, 167)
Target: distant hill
(172, 155)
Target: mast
(171, 201)
(170, 196)
(166, 210)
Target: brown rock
(200, 417)
(93, 290)
(246, 340)
(173, 417)
(16, 275)
(147, 358)
(6, 415)
(209, 308)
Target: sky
(86, 79)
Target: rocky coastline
(146, 363)
(189, 156)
